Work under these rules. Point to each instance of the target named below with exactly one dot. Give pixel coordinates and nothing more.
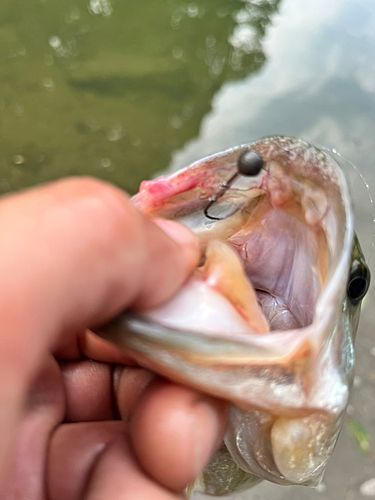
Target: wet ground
(122, 90)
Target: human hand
(77, 419)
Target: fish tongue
(217, 299)
(223, 270)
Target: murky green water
(113, 88)
(123, 89)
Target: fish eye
(359, 282)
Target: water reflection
(102, 7)
(113, 88)
(318, 84)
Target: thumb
(73, 254)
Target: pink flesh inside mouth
(284, 254)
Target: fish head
(268, 319)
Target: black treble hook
(249, 163)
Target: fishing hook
(249, 164)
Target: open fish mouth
(268, 319)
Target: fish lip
(146, 341)
(210, 349)
(339, 277)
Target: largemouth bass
(269, 318)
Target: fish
(268, 319)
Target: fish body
(268, 319)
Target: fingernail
(211, 417)
(181, 235)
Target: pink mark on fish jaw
(153, 194)
(156, 194)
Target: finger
(98, 391)
(175, 431)
(129, 385)
(119, 477)
(93, 461)
(91, 346)
(88, 345)
(88, 391)
(74, 452)
(89, 253)
(44, 410)
(73, 254)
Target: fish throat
(286, 260)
